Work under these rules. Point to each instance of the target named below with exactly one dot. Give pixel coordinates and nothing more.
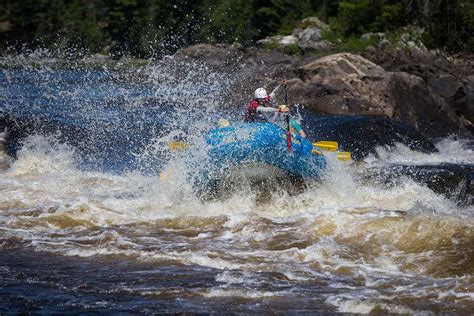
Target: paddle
(333, 146)
(327, 145)
(323, 145)
(344, 156)
(288, 132)
(178, 145)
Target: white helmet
(261, 93)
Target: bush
(292, 49)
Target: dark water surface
(98, 215)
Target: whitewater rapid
(91, 237)
(376, 248)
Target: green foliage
(353, 17)
(291, 49)
(154, 27)
(450, 25)
(356, 44)
(230, 21)
(361, 16)
(353, 44)
(332, 36)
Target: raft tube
(261, 146)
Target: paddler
(280, 119)
(265, 103)
(262, 103)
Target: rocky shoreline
(426, 90)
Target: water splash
(455, 151)
(330, 246)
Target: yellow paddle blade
(223, 123)
(178, 145)
(344, 156)
(327, 145)
(165, 175)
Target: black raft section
(361, 135)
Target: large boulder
(308, 38)
(450, 77)
(362, 135)
(351, 84)
(279, 40)
(430, 99)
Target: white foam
(365, 306)
(450, 150)
(252, 294)
(324, 233)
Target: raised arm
(267, 109)
(272, 94)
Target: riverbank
(428, 90)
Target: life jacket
(295, 126)
(252, 115)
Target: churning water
(87, 224)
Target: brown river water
(76, 241)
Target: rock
(368, 36)
(340, 65)
(219, 57)
(5, 160)
(370, 49)
(314, 21)
(237, 45)
(450, 77)
(247, 68)
(384, 44)
(446, 85)
(440, 63)
(95, 59)
(345, 78)
(310, 39)
(412, 39)
(361, 135)
(251, 61)
(288, 40)
(412, 91)
(310, 33)
(463, 104)
(280, 40)
(419, 106)
(355, 85)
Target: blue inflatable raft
(258, 151)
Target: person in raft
(264, 103)
(280, 119)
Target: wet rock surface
(419, 88)
(453, 181)
(307, 38)
(378, 103)
(4, 158)
(362, 134)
